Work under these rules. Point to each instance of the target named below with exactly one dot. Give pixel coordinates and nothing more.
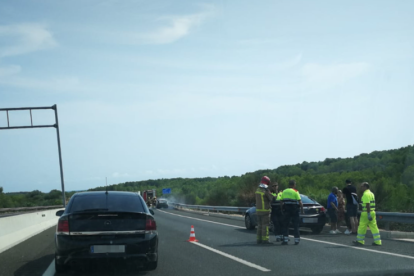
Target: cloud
(119, 175)
(331, 75)
(9, 70)
(176, 29)
(25, 38)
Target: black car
(106, 225)
(314, 216)
(162, 203)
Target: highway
(225, 247)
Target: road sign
(166, 191)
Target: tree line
(390, 174)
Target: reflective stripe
(289, 202)
(358, 239)
(378, 239)
(377, 234)
(261, 197)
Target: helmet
(265, 180)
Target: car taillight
(322, 210)
(63, 227)
(150, 224)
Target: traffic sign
(166, 191)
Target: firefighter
(149, 202)
(263, 199)
(154, 201)
(368, 217)
(276, 215)
(291, 202)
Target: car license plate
(108, 249)
(310, 220)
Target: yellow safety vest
(290, 196)
(279, 196)
(368, 197)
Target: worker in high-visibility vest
(276, 215)
(368, 217)
(291, 203)
(263, 199)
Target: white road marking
(203, 220)
(50, 271)
(361, 248)
(258, 267)
(331, 243)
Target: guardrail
(28, 209)
(212, 208)
(386, 217)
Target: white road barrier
(16, 229)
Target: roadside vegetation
(390, 173)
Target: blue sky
(160, 89)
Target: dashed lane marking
(258, 267)
(331, 243)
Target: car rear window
(307, 200)
(110, 202)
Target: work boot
(278, 239)
(297, 240)
(266, 242)
(357, 243)
(374, 244)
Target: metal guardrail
(381, 216)
(212, 208)
(232, 209)
(28, 209)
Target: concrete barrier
(16, 229)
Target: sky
(165, 89)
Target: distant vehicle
(314, 217)
(100, 225)
(162, 203)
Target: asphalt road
(225, 247)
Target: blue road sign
(166, 191)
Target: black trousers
(291, 213)
(277, 220)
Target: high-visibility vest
(279, 196)
(368, 197)
(290, 196)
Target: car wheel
(59, 268)
(248, 223)
(317, 229)
(152, 265)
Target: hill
(390, 173)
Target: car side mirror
(60, 213)
(152, 212)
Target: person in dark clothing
(276, 214)
(351, 196)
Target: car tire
(317, 229)
(151, 265)
(59, 268)
(248, 223)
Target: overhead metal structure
(56, 125)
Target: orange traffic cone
(192, 235)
